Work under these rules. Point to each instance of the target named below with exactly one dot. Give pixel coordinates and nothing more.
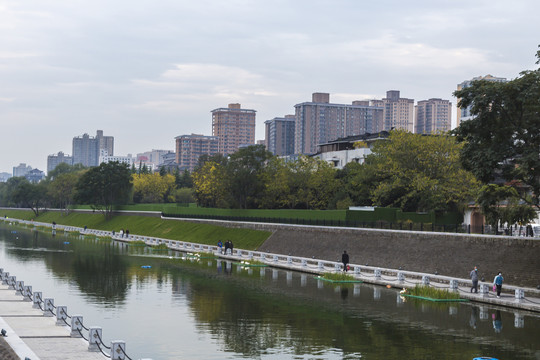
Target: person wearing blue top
(220, 247)
(497, 282)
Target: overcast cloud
(148, 71)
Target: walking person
(474, 278)
(345, 260)
(497, 282)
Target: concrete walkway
(36, 337)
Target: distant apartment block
(54, 160)
(464, 114)
(157, 157)
(21, 170)
(190, 147)
(234, 127)
(398, 111)
(433, 116)
(320, 121)
(104, 157)
(4, 176)
(279, 135)
(86, 149)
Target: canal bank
(450, 254)
(372, 294)
(286, 240)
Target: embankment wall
(445, 253)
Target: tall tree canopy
(244, 170)
(418, 173)
(503, 138)
(105, 186)
(153, 188)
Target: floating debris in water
(66, 242)
(146, 267)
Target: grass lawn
(152, 226)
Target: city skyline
(148, 72)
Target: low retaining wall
(447, 254)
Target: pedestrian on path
(220, 246)
(497, 282)
(474, 278)
(345, 260)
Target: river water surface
(181, 307)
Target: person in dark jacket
(345, 260)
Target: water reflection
(194, 307)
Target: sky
(148, 71)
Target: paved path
(34, 336)
(531, 302)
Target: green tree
(244, 175)
(419, 173)
(64, 168)
(153, 188)
(306, 182)
(503, 138)
(276, 179)
(183, 180)
(9, 188)
(27, 194)
(208, 184)
(322, 184)
(184, 195)
(357, 181)
(105, 186)
(163, 171)
(62, 189)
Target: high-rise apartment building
(464, 114)
(279, 135)
(234, 127)
(319, 121)
(54, 160)
(190, 147)
(398, 111)
(21, 170)
(86, 149)
(433, 116)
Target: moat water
(169, 305)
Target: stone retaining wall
(445, 253)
